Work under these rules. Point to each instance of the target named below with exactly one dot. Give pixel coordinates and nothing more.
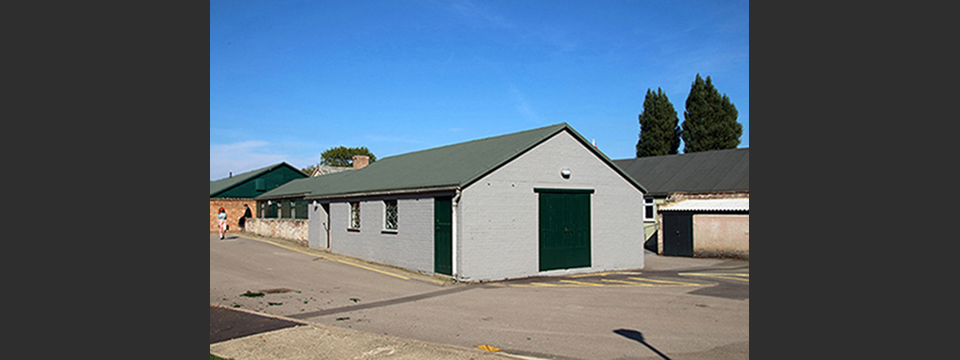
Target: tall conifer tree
(659, 132)
(710, 120)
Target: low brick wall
(234, 208)
(290, 229)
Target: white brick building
(538, 202)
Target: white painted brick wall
(411, 247)
(498, 215)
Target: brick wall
(234, 208)
(409, 247)
(290, 229)
(679, 196)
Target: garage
(706, 228)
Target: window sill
(352, 229)
(388, 231)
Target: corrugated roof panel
(708, 171)
(709, 205)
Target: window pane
(390, 214)
(301, 210)
(355, 215)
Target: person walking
(222, 221)
(243, 219)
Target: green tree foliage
(659, 130)
(710, 120)
(343, 156)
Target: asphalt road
(675, 308)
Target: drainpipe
(453, 233)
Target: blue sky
(290, 79)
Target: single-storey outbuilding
(234, 191)
(706, 227)
(538, 202)
(717, 175)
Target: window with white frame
(390, 214)
(355, 215)
(648, 209)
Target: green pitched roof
(446, 167)
(219, 186)
(707, 171)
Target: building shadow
(638, 337)
(651, 243)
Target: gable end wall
(498, 214)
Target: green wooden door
(442, 236)
(564, 228)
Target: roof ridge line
(475, 140)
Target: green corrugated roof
(456, 165)
(707, 171)
(218, 186)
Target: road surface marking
(627, 282)
(488, 348)
(669, 283)
(738, 277)
(372, 269)
(593, 274)
(337, 260)
(579, 283)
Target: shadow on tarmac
(638, 337)
(227, 324)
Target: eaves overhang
(424, 190)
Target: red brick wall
(234, 208)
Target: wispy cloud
(240, 157)
(523, 106)
(558, 38)
(480, 16)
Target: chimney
(360, 161)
